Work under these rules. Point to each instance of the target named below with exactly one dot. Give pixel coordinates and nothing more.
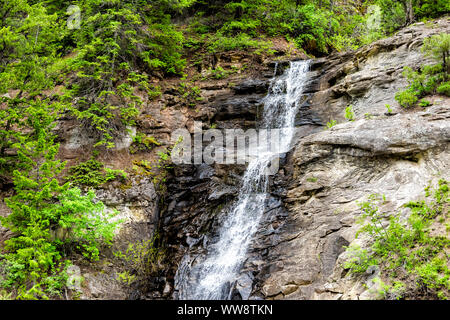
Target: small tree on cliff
(438, 47)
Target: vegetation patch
(408, 254)
(142, 142)
(428, 79)
(49, 221)
(93, 173)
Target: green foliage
(399, 13)
(406, 98)
(349, 114)
(220, 42)
(30, 42)
(4, 295)
(119, 46)
(444, 88)
(218, 73)
(388, 108)
(331, 124)
(428, 79)
(368, 116)
(142, 142)
(142, 167)
(424, 103)
(386, 291)
(141, 260)
(438, 47)
(47, 217)
(93, 173)
(29, 48)
(118, 49)
(407, 248)
(107, 67)
(190, 94)
(359, 259)
(11, 118)
(316, 26)
(435, 275)
(393, 15)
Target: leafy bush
(438, 47)
(428, 79)
(220, 42)
(406, 98)
(113, 45)
(359, 260)
(444, 88)
(424, 103)
(92, 173)
(142, 142)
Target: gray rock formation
(333, 170)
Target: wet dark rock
(222, 191)
(252, 86)
(237, 107)
(204, 171)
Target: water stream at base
(210, 278)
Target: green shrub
(349, 114)
(406, 98)
(424, 103)
(359, 260)
(438, 47)
(120, 45)
(92, 173)
(190, 93)
(142, 142)
(220, 42)
(444, 88)
(431, 78)
(142, 260)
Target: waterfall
(210, 278)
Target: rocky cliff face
(330, 171)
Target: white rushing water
(209, 278)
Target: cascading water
(220, 266)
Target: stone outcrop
(137, 205)
(332, 171)
(368, 78)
